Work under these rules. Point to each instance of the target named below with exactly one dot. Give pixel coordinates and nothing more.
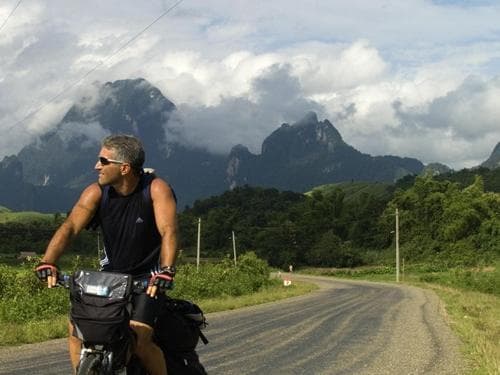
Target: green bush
(24, 299)
(484, 280)
(222, 279)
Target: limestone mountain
(59, 164)
(493, 161)
(49, 174)
(66, 155)
(310, 153)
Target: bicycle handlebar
(63, 280)
(138, 286)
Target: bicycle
(100, 313)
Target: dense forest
(451, 220)
(31, 232)
(454, 220)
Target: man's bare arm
(166, 220)
(80, 216)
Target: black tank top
(131, 239)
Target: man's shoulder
(93, 191)
(160, 187)
(159, 182)
(90, 198)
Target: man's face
(109, 168)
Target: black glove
(164, 279)
(44, 269)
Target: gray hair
(127, 148)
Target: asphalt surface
(345, 327)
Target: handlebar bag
(99, 306)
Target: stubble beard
(104, 180)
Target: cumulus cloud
(459, 128)
(327, 68)
(394, 78)
(277, 98)
(464, 122)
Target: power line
(10, 14)
(68, 87)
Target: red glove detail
(43, 270)
(164, 279)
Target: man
(138, 239)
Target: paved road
(344, 328)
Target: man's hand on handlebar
(161, 281)
(47, 272)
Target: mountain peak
(494, 160)
(303, 137)
(131, 106)
(324, 130)
(121, 100)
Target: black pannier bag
(99, 306)
(178, 327)
(178, 331)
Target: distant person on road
(290, 268)
(139, 239)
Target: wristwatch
(170, 269)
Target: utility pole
(198, 245)
(234, 248)
(397, 245)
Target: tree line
(441, 221)
(451, 221)
(33, 235)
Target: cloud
(277, 98)
(394, 77)
(459, 128)
(93, 132)
(327, 68)
(470, 111)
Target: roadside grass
(33, 331)
(475, 317)
(471, 297)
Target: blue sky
(409, 78)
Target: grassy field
(7, 215)
(473, 315)
(353, 190)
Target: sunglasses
(106, 161)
